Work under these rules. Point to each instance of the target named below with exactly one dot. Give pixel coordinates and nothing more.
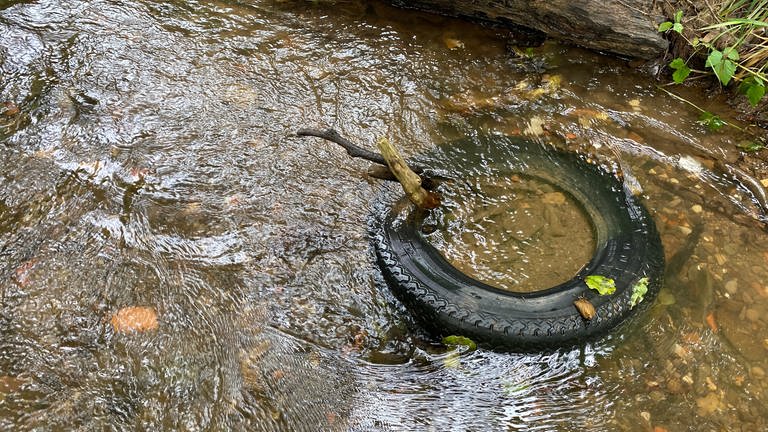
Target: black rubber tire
(447, 301)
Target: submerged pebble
(134, 319)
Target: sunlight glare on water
(151, 166)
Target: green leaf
(681, 74)
(460, 341)
(714, 58)
(750, 146)
(733, 22)
(666, 25)
(677, 63)
(678, 28)
(681, 70)
(754, 88)
(638, 292)
(755, 93)
(724, 68)
(601, 284)
(712, 121)
(731, 53)
(678, 16)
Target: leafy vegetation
(460, 341)
(603, 285)
(639, 289)
(736, 48)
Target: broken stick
(409, 180)
(379, 169)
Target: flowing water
(147, 161)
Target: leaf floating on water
(460, 341)
(585, 308)
(601, 284)
(638, 292)
(134, 319)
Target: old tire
(447, 301)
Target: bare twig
(382, 171)
(352, 149)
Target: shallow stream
(148, 160)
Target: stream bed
(147, 160)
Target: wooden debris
(409, 180)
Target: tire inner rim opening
(517, 232)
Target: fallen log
(628, 28)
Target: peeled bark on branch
(353, 150)
(379, 169)
(409, 180)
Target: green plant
(727, 63)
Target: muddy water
(150, 163)
(516, 232)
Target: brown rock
(134, 319)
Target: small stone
(674, 180)
(752, 314)
(688, 379)
(9, 109)
(680, 351)
(635, 137)
(764, 182)
(757, 372)
(732, 286)
(721, 259)
(708, 404)
(666, 298)
(556, 198)
(9, 384)
(710, 384)
(134, 319)
(738, 380)
(657, 396)
(646, 416)
(453, 43)
(535, 126)
(674, 386)
(696, 208)
(685, 230)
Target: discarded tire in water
(447, 301)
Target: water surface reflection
(151, 163)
